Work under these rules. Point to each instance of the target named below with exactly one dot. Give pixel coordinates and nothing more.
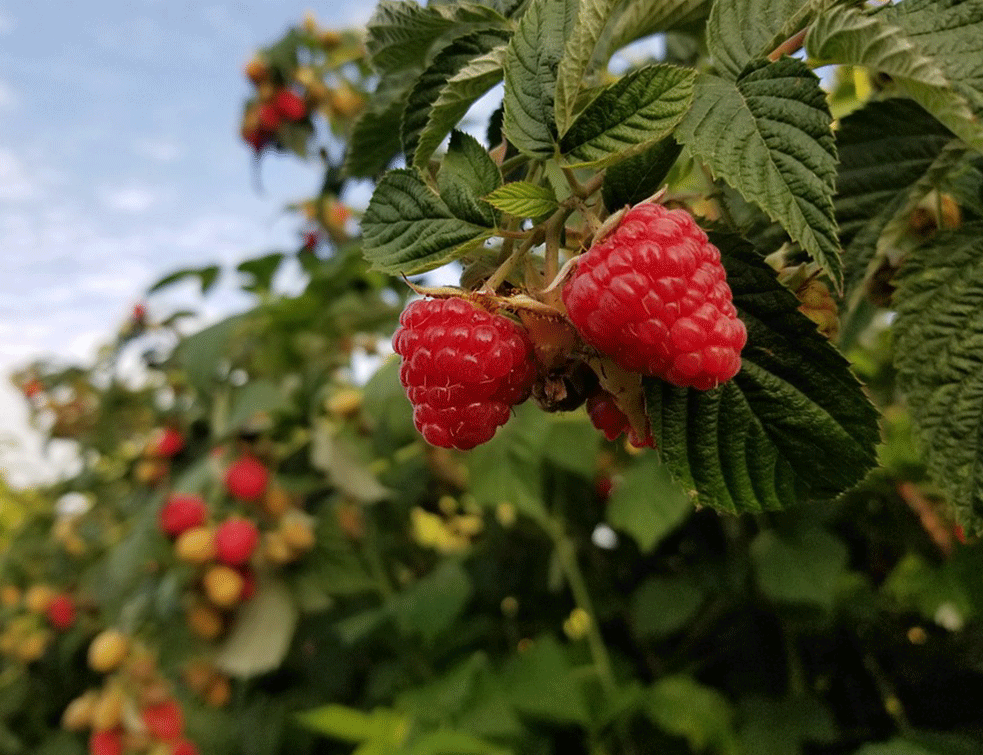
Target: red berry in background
(609, 419)
(235, 541)
(61, 612)
(269, 118)
(108, 742)
(184, 747)
(653, 296)
(167, 442)
(181, 512)
(463, 369)
(139, 313)
(289, 105)
(164, 721)
(247, 478)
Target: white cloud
(8, 97)
(131, 199)
(161, 149)
(7, 23)
(17, 182)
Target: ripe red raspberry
(246, 478)
(108, 742)
(609, 419)
(463, 369)
(182, 512)
(235, 541)
(167, 442)
(289, 105)
(653, 297)
(61, 612)
(184, 747)
(164, 721)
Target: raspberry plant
(579, 580)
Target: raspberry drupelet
(653, 296)
(463, 369)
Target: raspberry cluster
(463, 369)
(653, 297)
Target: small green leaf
(939, 359)
(260, 637)
(682, 706)
(540, 684)
(793, 422)
(408, 229)
(457, 95)
(769, 136)
(919, 585)
(629, 116)
(895, 747)
(531, 61)
(431, 605)
(509, 467)
(740, 31)
(255, 397)
(467, 173)
(640, 176)
(259, 272)
(592, 16)
(802, 568)
(206, 276)
(523, 199)
(447, 742)
(353, 725)
(420, 117)
(647, 503)
(200, 354)
(663, 605)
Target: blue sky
(120, 161)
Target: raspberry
(463, 369)
(106, 743)
(166, 442)
(653, 297)
(235, 541)
(61, 612)
(182, 512)
(609, 419)
(289, 105)
(164, 721)
(247, 478)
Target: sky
(120, 161)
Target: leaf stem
(789, 46)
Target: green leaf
(793, 422)
(592, 16)
(938, 354)
(374, 142)
(629, 116)
(647, 503)
(205, 275)
(353, 725)
(201, 353)
(894, 747)
(640, 176)
(640, 18)
(879, 172)
(801, 568)
(449, 742)
(531, 61)
(431, 605)
(408, 229)
(421, 118)
(509, 466)
(260, 637)
(926, 588)
(255, 397)
(539, 682)
(768, 135)
(523, 199)
(459, 92)
(780, 727)
(932, 52)
(259, 272)
(664, 605)
(682, 706)
(467, 173)
(740, 31)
